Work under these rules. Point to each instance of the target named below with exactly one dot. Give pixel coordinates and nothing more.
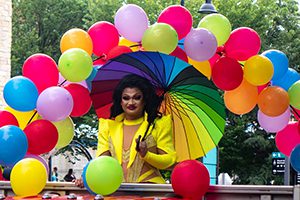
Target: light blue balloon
(288, 79)
(93, 74)
(20, 93)
(295, 158)
(84, 180)
(13, 145)
(280, 62)
(181, 43)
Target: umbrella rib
(196, 132)
(116, 70)
(171, 71)
(191, 103)
(156, 69)
(184, 87)
(184, 125)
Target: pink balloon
(131, 22)
(179, 53)
(105, 36)
(179, 18)
(200, 44)
(287, 139)
(262, 87)
(243, 43)
(42, 70)
(55, 104)
(273, 124)
(39, 158)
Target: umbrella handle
(137, 148)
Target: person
(70, 177)
(54, 176)
(136, 134)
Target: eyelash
(137, 98)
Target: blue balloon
(289, 78)
(295, 158)
(84, 180)
(280, 62)
(13, 145)
(20, 93)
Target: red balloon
(227, 73)
(288, 138)
(118, 50)
(81, 98)
(179, 53)
(6, 118)
(243, 43)
(179, 18)
(190, 179)
(42, 70)
(42, 136)
(100, 61)
(105, 36)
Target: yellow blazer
(110, 138)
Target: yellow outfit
(110, 138)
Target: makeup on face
(132, 103)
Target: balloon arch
(43, 99)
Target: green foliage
(38, 26)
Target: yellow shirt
(110, 138)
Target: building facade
(5, 44)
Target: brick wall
(5, 43)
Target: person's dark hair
(151, 99)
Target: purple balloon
(54, 104)
(200, 44)
(273, 124)
(131, 21)
(39, 158)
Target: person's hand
(79, 182)
(142, 148)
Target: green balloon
(218, 25)
(75, 65)
(160, 37)
(65, 130)
(294, 95)
(104, 175)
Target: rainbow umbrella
(196, 107)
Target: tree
(38, 26)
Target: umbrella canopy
(194, 102)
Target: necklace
(133, 122)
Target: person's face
(132, 102)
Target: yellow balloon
(23, 117)
(134, 46)
(76, 38)
(258, 70)
(28, 177)
(65, 130)
(203, 67)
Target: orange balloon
(242, 99)
(273, 101)
(76, 38)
